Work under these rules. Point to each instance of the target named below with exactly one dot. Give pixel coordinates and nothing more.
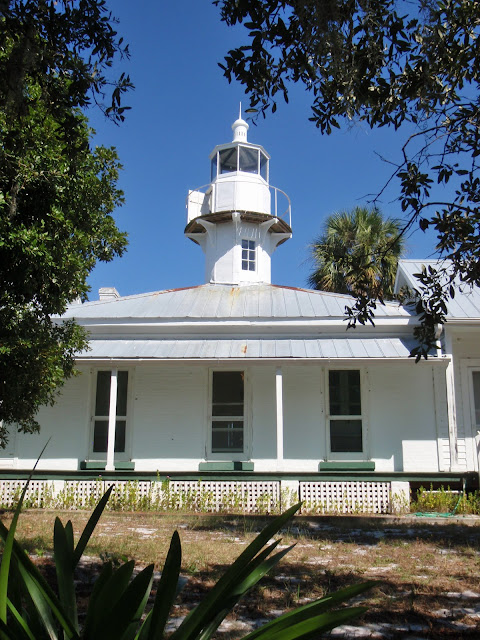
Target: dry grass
(424, 567)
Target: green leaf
(167, 589)
(122, 620)
(20, 622)
(107, 597)
(256, 571)
(204, 613)
(311, 609)
(63, 556)
(30, 569)
(90, 526)
(9, 540)
(93, 610)
(312, 626)
(41, 603)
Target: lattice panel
(141, 487)
(81, 493)
(345, 497)
(223, 496)
(38, 493)
(205, 496)
(213, 496)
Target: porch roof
(226, 302)
(240, 349)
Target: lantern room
(235, 158)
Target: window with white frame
(227, 412)
(345, 411)
(248, 255)
(102, 412)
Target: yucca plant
(31, 610)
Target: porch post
(451, 404)
(112, 419)
(279, 398)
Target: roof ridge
(141, 295)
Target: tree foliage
(357, 253)
(385, 63)
(57, 194)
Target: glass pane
(476, 396)
(344, 393)
(100, 436)
(244, 254)
(228, 160)
(120, 429)
(227, 436)
(227, 400)
(244, 265)
(251, 245)
(346, 436)
(102, 400)
(122, 385)
(248, 160)
(227, 409)
(227, 387)
(251, 266)
(213, 172)
(264, 166)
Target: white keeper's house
(240, 380)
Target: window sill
(124, 465)
(346, 466)
(99, 465)
(93, 465)
(232, 465)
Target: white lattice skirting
(249, 497)
(205, 496)
(346, 497)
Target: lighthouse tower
(238, 218)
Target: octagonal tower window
(240, 158)
(228, 160)
(248, 160)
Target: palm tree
(357, 253)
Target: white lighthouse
(238, 218)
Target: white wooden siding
(170, 413)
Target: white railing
(197, 204)
(286, 213)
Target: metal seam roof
(225, 302)
(233, 348)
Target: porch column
(279, 398)
(451, 404)
(112, 419)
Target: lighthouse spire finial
(240, 128)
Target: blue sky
(181, 108)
